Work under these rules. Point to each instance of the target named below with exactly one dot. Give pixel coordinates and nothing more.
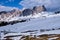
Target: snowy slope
(39, 21)
(45, 21)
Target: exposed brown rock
(4, 15)
(38, 9)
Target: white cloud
(6, 8)
(47, 3)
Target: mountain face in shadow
(36, 9)
(27, 12)
(3, 12)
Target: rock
(3, 12)
(57, 12)
(27, 12)
(38, 9)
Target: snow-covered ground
(39, 21)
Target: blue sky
(11, 3)
(51, 5)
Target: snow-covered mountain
(39, 21)
(42, 21)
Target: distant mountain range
(36, 9)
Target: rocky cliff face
(7, 15)
(38, 9)
(27, 12)
(15, 12)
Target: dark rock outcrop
(3, 12)
(57, 12)
(3, 23)
(27, 12)
(12, 22)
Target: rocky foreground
(34, 37)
